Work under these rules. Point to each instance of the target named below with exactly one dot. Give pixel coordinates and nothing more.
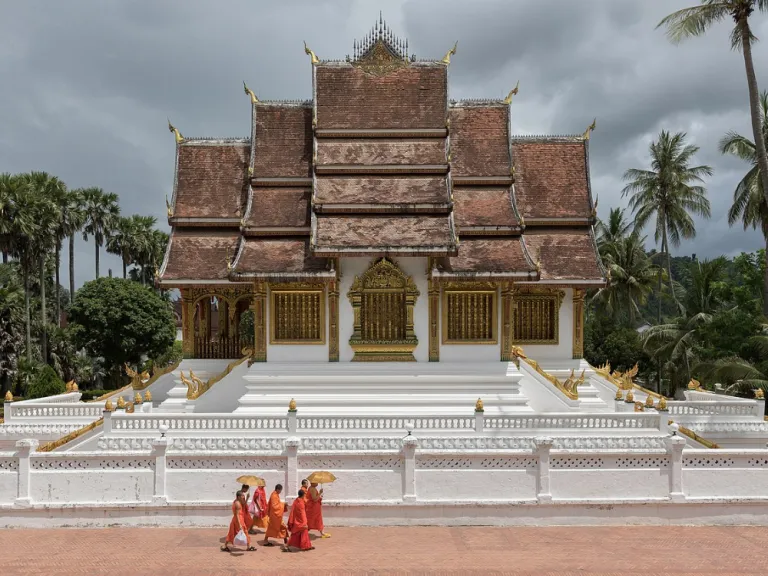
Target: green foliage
(606, 341)
(246, 328)
(121, 321)
(47, 383)
(173, 355)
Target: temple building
(382, 221)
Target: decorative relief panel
(312, 463)
(710, 462)
(478, 463)
(80, 463)
(9, 464)
(219, 463)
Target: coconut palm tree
(749, 201)
(611, 232)
(669, 191)
(74, 220)
(696, 20)
(739, 375)
(101, 212)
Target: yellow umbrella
(321, 478)
(251, 481)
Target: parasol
(321, 477)
(251, 481)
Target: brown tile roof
(283, 141)
(496, 256)
(277, 257)
(565, 254)
(412, 97)
(480, 140)
(475, 206)
(199, 254)
(279, 207)
(384, 234)
(381, 190)
(551, 179)
(211, 179)
(368, 151)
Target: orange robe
(234, 527)
(276, 527)
(247, 516)
(297, 524)
(314, 510)
(306, 493)
(260, 519)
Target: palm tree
(702, 295)
(696, 20)
(123, 241)
(611, 232)
(631, 278)
(101, 212)
(8, 184)
(739, 375)
(669, 191)
(74, 220)
(749, 201)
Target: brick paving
(561, 551)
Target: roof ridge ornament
(175, 131)
(168, 207)
(250, 93)
(589, 129)
(311, 54)
(513, 92)
(447, 58)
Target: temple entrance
(382, 301)
(211, 320)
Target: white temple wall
(563, 350)
(296, 352)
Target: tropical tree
(101, 212)
(8, 186)
(72, 221)
(669, 191)
(696, 20)
(609, 233)
(749, 200)
(11, 339)
(124, 240)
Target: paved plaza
(562, 551)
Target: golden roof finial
(479, 405)
(292, 405)
(447, 58)
(168, 207)
(175, 131)
(137, 398)
(250, 93)
(8, 396)
(589, 129)
(108, 406)
(312, 56)
(513, 92)
(147, 396)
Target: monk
(238, 523)
(248, 518)
(315, 511)
(297, 524)
(305, 487)
(261, 517)
(275, 527)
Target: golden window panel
(536, 316)
(297, 316)
(470, 314)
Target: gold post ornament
(147, 396)
(108, 406)
(75, 387)
(8, 396)
(619, 396)
(311, 54)
(175, 131)
(479, 405)
(292, 405)
(662, 404)
(137, 398)
(513, 92)
(759, 394)
(649, 401)
(68, 386)
(630, 397)
(120, 402)
(447, 58)
(589, 129)
(250, 93)
(694, 384)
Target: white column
(675, 446)
(409, 468)
(664, 421)
(160, 447)
(107, 421)
(479, 421)
(759, 408)
(292, 468)
(543, 452)
(7, 411)
(291, 421)
(24, 489)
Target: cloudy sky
(88, 85)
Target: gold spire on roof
(594, 208)
(513, 92)
(447, 58)
(589, 129)
(310, 53)
(168, 207)
(250, 93)
(175, 131)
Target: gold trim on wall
(297, 310)
(259, 307)
(507, 328)
(578, 323)
(471, 310)
(434, 319)
(536, 312)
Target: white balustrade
(386, 423)
(55, 410)
(188, 422)
(65, 398)
(714, 408)
(573, 421)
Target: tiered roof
(380, 162)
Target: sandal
(251, 548)
(225, 548)
(269, 544)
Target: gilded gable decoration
(380, 52)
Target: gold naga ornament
(311, 54)
(513, 92)
(250, 93)
(447, 58)
(176, 134)
(589, 129)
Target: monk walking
(305, 487)
(315, 511)
(297, 524)
(261, 515)
(237, 524)
(275, 509)
(248, 518)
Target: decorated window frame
(470, 313)
(297, 314)
(536, 316)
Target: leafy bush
(47, 383)
(88, 395)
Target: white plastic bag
(252, 508)
(241, 539)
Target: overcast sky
(88, 85)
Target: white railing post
(664, 421)
(479, 421)
(409, 467)
(543, 453)
(160, 448)
(292, 421)
(107, 421)
(675, 446)
(292, 467)
(760, 408)
(24, 486)
(7, 411)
